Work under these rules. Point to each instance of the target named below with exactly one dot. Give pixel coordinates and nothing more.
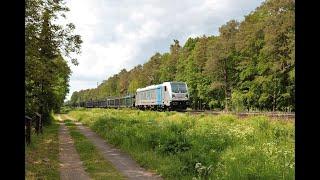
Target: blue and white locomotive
(165, 96)
(168, 95)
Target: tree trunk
(226, 89)
(273, 100)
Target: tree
(266, 44)
(221, 65)
(169, 67)
(185, 53)
(123, 82)
(47, 44)
(151, 69)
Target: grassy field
(42, 155)
(94, 163)
(185, 146)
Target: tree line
(249, 66)
(48, 46)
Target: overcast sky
(121, 34)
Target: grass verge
(184, 146)
(42, 155)
(94, 163)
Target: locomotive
(166, 96)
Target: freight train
(165, 96)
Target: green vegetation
(185, 146)
(93, 161)
(250, 65)
(42, 155)
(46, 45)
(65, 109)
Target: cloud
(124, 33)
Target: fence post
(27, 122)
(41, 124)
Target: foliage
(250, 65)
(174, 143)
(203, 171)
(47, 44)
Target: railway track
(287, 116)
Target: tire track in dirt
(71, 167)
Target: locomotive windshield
(178, 87)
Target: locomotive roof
(149, 87)
(156, 86)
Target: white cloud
(124, 33)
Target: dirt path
(58, 116)
(65, 116)
(121, 161)
(71, 165)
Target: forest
(48, 48)
(249, 66)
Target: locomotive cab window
(178, 87)
(165, 88)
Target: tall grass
(184, 146)
(42, 155)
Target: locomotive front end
(179, 95)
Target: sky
(121, 34)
